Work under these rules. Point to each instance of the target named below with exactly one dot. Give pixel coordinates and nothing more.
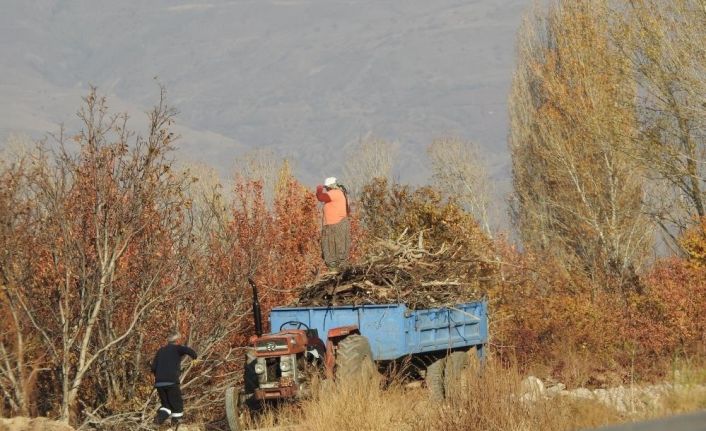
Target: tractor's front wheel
(233, 409)
(240, 406)
(354, 358)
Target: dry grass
(483, 402)
(690, 377)
(32, 424)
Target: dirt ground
(32, 424)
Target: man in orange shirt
(336, 231)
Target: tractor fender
(335, 336)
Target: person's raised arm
(321, 195)
(186, 350)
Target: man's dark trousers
(172, 403)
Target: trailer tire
(454, 379)
(434, 379)
(354, 358)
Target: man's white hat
(330, 181)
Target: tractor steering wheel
(297, 324)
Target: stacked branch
(402, 271)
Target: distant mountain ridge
(305, 78)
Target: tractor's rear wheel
(354, 358)
(434, 379)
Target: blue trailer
(395, 331)
(351, 340)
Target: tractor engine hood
(281, 343)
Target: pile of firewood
(401, 271)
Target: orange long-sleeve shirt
(334, 204)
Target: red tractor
(280, 365)
(336, 341)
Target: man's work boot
(175, 422)
(162, 415)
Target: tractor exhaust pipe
(257, 314)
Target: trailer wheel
(435, 379)
(456, 363)
(354, 358)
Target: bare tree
(17, 148)
(666, 42)
(261, 165)
(20, 357)
(371, 158)
(207, 199)
(459, 172)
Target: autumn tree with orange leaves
(107, 246)
(107, 236)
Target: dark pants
(172, 403)
(336, 243)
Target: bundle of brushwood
(402, 271)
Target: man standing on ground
(336, 231)
(166, 368)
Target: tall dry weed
(492, 399)
(487, 400)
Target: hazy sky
(305, 78)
